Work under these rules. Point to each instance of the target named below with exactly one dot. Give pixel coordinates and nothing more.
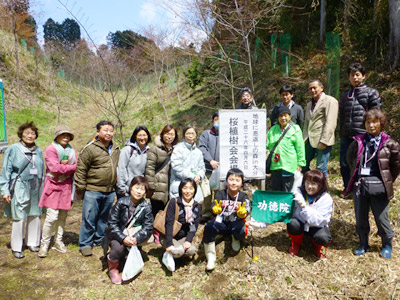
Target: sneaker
(33, 248)
(44, 248)
(60, 247)
(86, 251)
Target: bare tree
(394, 36)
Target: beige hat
(60, 129)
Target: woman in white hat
(57, 194)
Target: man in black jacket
(352, 107)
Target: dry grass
(276, 275)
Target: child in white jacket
(312, 214)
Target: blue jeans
(322, 158)
(344, 167)
(95, 209)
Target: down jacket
(159, 182)
(119, 219)
(388, 161)
(96, 169)
(186, 162)
(352, 107)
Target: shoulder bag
(159, 220)
(269, 159)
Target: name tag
(365, 171)
(33, 171)
(218, 219)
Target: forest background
(146, 78)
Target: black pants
(281, 183)
(321, 235)
(380, 209)
(117, 250)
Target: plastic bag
(133, 265)
(168, 261)
(214, 179)
(298, 179)
(205, 187)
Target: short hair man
(246, 99)
(320, 122)
(352, 107)
(95, 179)
(296, 111)
(209, 146)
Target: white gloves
(299, 199)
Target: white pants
(55, 221)
(31, 233)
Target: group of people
(171, 174)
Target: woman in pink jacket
(57, 194)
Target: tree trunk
(394, 35)
(322, 26)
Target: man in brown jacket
(320, 122)
(95, 179)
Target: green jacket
(290, 149)
(97, 169)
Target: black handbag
(372, 186)
(269, 158)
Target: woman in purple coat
(61, 162)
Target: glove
(217, 209)
(242, 212)
(299, 199)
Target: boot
(209, 249)
(156, 235)
(235, 244)
(386, 251)
(44, 248)
(297, 240)
(114, 272)
(319, 250)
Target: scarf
(373, 141)
(65, 153)
(188, 211)
(31, 148)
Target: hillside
(41, 96)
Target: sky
(100, 17)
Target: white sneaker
(44, 248)
(60, 247)
(235, 244)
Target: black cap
(283, 109)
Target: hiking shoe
(386, 252)
(18, 254)
(60, 247)
(86, 251)
(361, 250)
(33, 248)
(44, 248)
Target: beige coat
(320, 125)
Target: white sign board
(242, 134)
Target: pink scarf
(188, 211)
